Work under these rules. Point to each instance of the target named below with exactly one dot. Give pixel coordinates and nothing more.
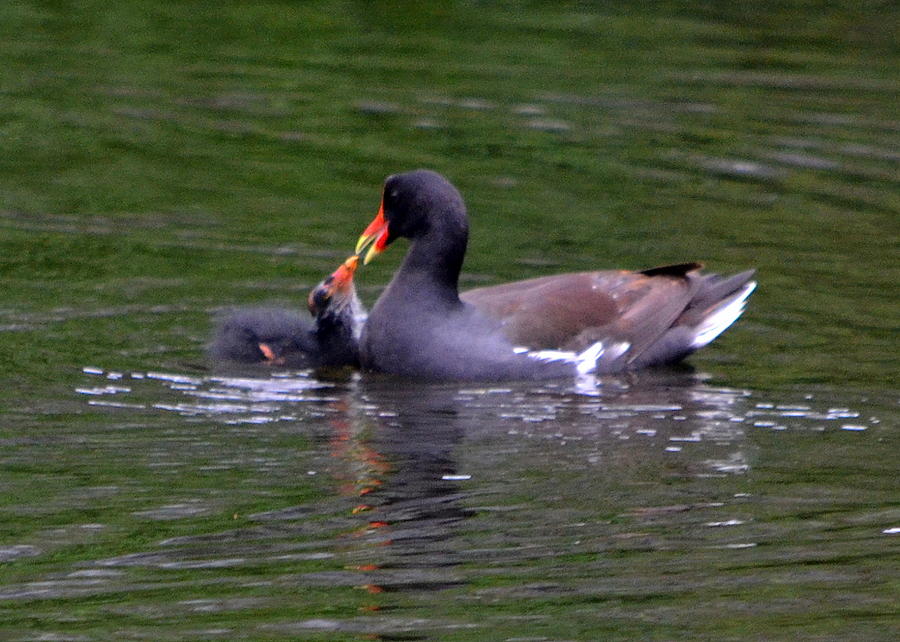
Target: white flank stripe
(585, 362)
(549, 355)
(587, 359)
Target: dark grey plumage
(588, 322)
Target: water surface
(165, 162)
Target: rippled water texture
(213, 506)
(165, 162)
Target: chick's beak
(338, 282)
(343, 276)
(375, 237)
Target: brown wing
(572, 311)
(548, 312)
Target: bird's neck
(433, 263)
(336, 332)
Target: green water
(162, 161)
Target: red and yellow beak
(374, 237)
(339, 282)
(343, 276)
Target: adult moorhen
(284, 338)
(587, 322)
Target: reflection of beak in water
(361, 472)
(401, 474)
(365, 466)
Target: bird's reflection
(542, 466)
(398, 447)
(397, 450)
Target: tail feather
(718, 303)
(715, 288)
(721, 316)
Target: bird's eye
(318, 300)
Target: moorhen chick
(280, 337)
(587, 322)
